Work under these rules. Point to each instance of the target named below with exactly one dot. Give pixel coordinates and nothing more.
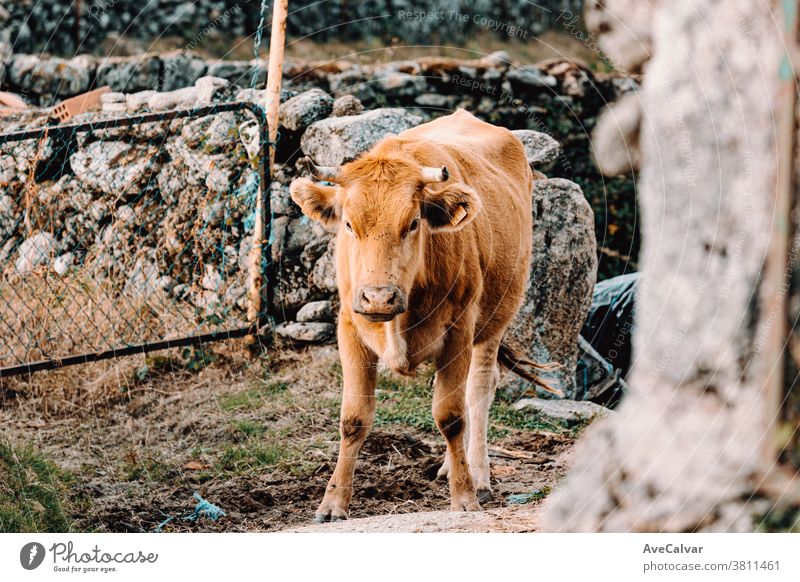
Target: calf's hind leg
(449, 412)
(358, 415)
(481, 386)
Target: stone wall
(163, 213)
(556, 98)
(49, 25)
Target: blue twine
(525, 498)
(202, 509)
(257, 41)
(205, 509)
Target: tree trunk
(692, 445)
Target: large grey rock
(212, 133)
(336, 140)
(567, 412)
(563, 274)
(347, 105)
(317, 311)
(130, 75)
(203, 91)
(143, 279)
(302, 110)
(38, 249)
(540, 149)
(236, 72)
(50, 77)
(531, 77)
(280, 199)
(323, 275)
(353, 82)
(403, 85)
(114, 167)
(181, 69)
(312, 332)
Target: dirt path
(259, 440)
(502, 520)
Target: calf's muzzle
(379, 303)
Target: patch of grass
(405, 401)
(254, 397)
(147, 467)
(503, 419)
(261, 449)
(252, 454)
(244, 429)
(33, 494)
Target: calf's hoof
(329, 517)
(444, 472)
(484, 495)
(330, 510)
(465, 504)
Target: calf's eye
(348, 226)
(414, 225)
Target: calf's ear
(451, 208)
(317, 201)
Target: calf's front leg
(358, 415)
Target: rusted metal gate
(158, 262)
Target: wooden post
(275, 73)
(77, 30)
(257, 289)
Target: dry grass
(44, 316)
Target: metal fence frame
(259, 300)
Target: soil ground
(257, 438)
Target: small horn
(433, 175)
(327, 173)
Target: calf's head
(385, 207)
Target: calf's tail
(514, 361)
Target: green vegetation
(244, 429)
(252, 454)
(253, 398)
(407, 401)
(33, 492)
(145, 467)
(256, 449)
(503, 419)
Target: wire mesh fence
(121, 235)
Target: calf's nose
(385, 300)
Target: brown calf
(433, 248)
